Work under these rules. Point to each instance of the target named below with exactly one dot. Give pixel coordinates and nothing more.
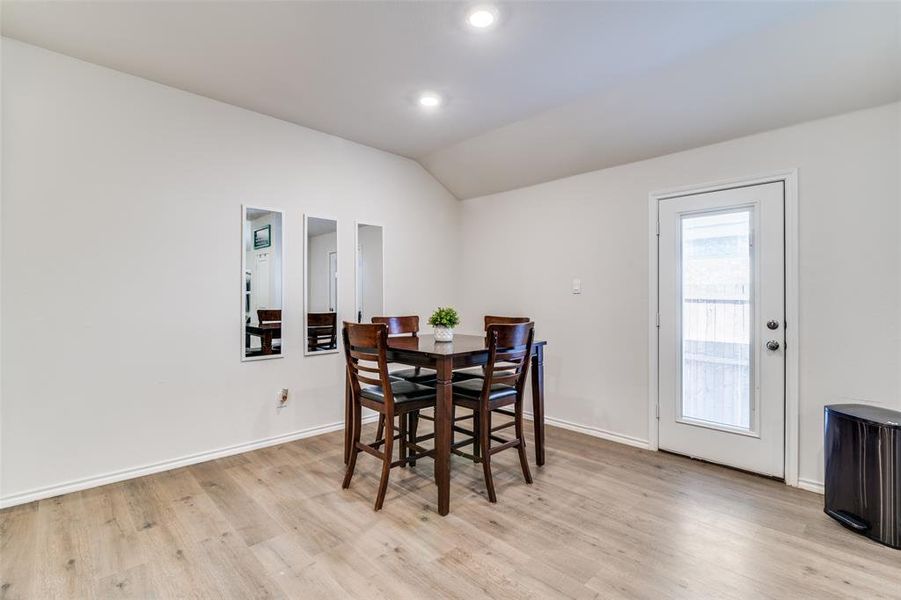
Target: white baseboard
(594, 432)
(811, 486)
(117, 476)
(166, 465)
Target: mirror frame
(306, 276)
(244, 207)
(358, 292)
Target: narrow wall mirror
(321, 285)
(370, 291)
(262, 278)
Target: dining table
(444, 357)
(266, 332)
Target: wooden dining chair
(407, 326)
(365, 349)
(494, 319)
(509, 353)
(270, 315)
(322, 331)
(471, 372)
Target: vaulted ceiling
(555, 89)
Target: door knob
(772, 345)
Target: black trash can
(863, 470)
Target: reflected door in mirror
(369, 273)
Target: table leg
(267, 343)
(538, 402)
(443, 431)
(348, 417)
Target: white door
(260, 287)
(721, 327)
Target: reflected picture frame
(262, 237)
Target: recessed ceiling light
(482, 17)
(429, 99)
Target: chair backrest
(492, 319)
(365, 348)
(325, 319)
(269, 315)
(326, 335)
(510, 344)
(400, 325)
(497, 320)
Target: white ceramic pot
(444, 334)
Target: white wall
(522, 248)
(114, 168)
(132, 190)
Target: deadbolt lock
(773, 324)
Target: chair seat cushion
(404, 391)
(472, 388)
(412, 375)
(477, 373)
(470, 373)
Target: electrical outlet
(283, 397)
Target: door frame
(792, 350)
(333, 279)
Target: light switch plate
(577, 286)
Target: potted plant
(444, 320)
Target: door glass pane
(716, 318)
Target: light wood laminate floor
(601, 521)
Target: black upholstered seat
(472, 388)
(416, 375)
(404, 391)
(477, 373)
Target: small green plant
(445, 316)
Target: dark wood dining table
(444, 357)
(266, 332)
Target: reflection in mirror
(321, 271)
(262, 283)
(369, 286)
